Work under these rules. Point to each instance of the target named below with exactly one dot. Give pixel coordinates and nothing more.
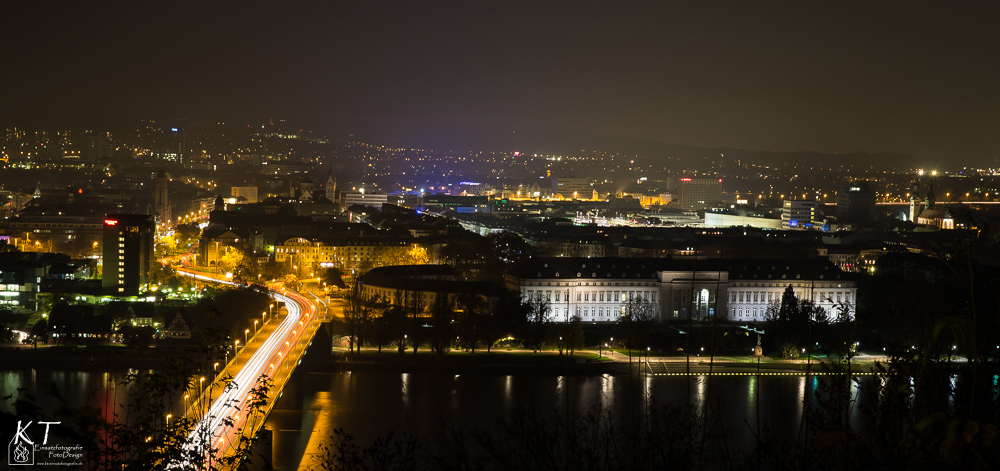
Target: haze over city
(916, 79)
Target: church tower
(331, 186)
(160, 201)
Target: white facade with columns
(597, 289)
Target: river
(368, 403)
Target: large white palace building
(599, 289)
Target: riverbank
(458, 362)
(93, 357)
(581, 362)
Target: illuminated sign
(110, 222)
(685, 179)
(173, 129)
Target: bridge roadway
(274, 351)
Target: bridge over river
(223, 404)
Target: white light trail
(231, 403)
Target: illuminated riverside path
(274, 351)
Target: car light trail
(215, 426)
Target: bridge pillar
(290, 397)
(262, 453)
(321, 347)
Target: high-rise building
(856, 203)
(800, 214)
(128, 253)
(698, 193)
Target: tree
(137, 338)
(471, 322)
(186, 234)
(537, 318)
(135, 434)
(332, 276)
(396, 324)
(574, 334)
(441, 330)
(636, 322)
(361, 310)
(292, 282)
(6, 333)
(790, 321)
(494, 328)
(40, 331)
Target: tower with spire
(161, 203)
(331, 186)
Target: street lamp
(201, 396)
(237, 343)
(215, 367)
(246, 336)
(168, 419)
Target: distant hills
(566, 142)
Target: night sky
(911, 77)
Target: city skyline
(835, 78)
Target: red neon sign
(110, 222)
(685, 179)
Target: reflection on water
(367, 404)
(405, 397)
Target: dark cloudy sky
(915, 77)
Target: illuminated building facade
(698, 193)
(740, 290)
(801, 215)
(128, 253)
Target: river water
(369, 403)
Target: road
(274, 352)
